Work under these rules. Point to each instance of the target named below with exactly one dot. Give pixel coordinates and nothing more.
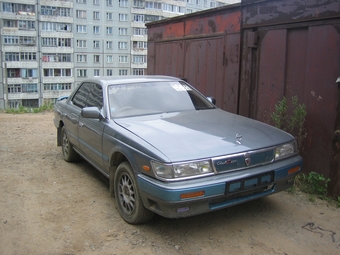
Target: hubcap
(65, 145)
(126, 194)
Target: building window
(123, 3)
(81, 73)
(26, 25)
(109, 2)
(96, 72)
(96, 15)
(57, 86)
(123, 17)
(80, 14)
(56, 57)
(96, 30)
(55, 11)
(109, 16)
(12, 56)
(139, 59)
(123, 59)
(56, 26)
(138, 18)
(81, 44)
(139, 71)
(140, 45)
(109, 30)
(122, 45)
(153, 5)
(123, 72)
(81, 1)
(28, 56)
(96, 44)
(22, 88)
(17, 8)
(81, 58)
(123, 31)
(81, 29)
(8, 39)
(109, 59)
(212, 4)
(55, 42)
(96, 2)
(140, 31)
(57, 72)
(109, 72)
(96, 58)
(109, 45)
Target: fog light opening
(294, 170)
(184, 209)
(192, 194)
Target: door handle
(81, 124)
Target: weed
(292, 123)
(22, 109)
(313, 183)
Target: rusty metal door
(303, 61)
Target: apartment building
(47, 47)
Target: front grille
(243, 160)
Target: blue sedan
(167, 149)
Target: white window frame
(109, 45)
(122, 45)
(96, 15)
(109, 30)
(96, 30)
(82, 29)
(109, 58)
(81, 58)
(81, 44)
(109, 16)
(96, 44)
(123, 17)
(123, 31)
(123, 59)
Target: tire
(129, 202)
(69, 154)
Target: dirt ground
(48, 206)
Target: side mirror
(91, 113)
(212, 100)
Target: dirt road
(48, 206)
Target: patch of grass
(21, 109)
(314, 184)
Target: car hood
(202, 134)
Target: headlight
(285, 150)
(182, 170)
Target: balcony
(18, 32)
(58, 79)
(56, 19)
(57, 65)
(20, 80)
(57, 49)
(59, 3)
(19, 64)
(139, 65)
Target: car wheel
(129, 202)
(69, 154)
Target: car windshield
(154, 97)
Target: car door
(90, 131)
(72, 112)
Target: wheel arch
(116, 159)
(59, 138)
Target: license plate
(249, 183)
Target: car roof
(112, 80)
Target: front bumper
(164, 198)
